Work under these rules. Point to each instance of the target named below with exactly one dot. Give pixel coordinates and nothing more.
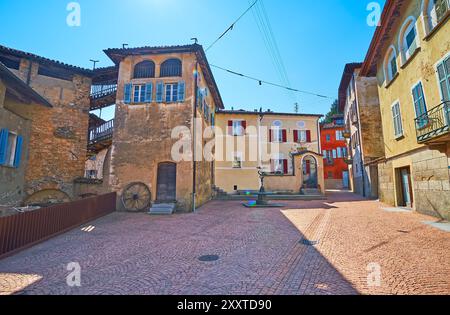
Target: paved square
(261, 251)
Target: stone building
(409, 59)
(286, 147)
(16, 119)
(158, 90)
(58, 134)
(358, 100)
(335, 153)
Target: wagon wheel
(136, 197)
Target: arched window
(144, 69)
(407, 41)
(390, 65)
(171, 68)
(434, 11)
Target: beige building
(286, 147)
(358, 100)
(409, 57)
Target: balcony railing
(329, 162)
(434, 123)
(99, 91)
(102, 132)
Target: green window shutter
(148, 93)
(181, 91)
(443, 70)
(3, 145)
(159, 92)
(18, 153)
(127, 93)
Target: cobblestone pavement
(260, 253)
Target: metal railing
(24, 230)
(101, 132)
(99, 91)
(433, 123)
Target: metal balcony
(434, 126)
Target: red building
(334, 149)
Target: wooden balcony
(433, 127)
(100, 137)
(103, 95)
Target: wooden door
(167, 182)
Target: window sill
(392, 81)
(437, 27)
(399, 138)
(407, 62)
(9, 166)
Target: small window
(144, 69)
(391, 66)
(330, 175)
(408, 41)
(277, 135)
(10, 148)
(397, 119)
(171, 93)
(171, 68)
(91, 174)
(237, 160)
(436, 12)
(328, 138)
(238, 128)
(339, 153)
(139, 94)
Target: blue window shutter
(181, 91)
(127, 93)
(3, 145)
(159, 92)
(18, 153)
(149, 93)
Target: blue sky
(315, 40)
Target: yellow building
(410, 57)
(247, 142)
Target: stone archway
(47, 197)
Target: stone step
(162, 209)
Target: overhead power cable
(260, 81)
(232, 25)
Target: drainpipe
(194, 169)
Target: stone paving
(260, 252)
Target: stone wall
(431, 182)
(58, 141)
(386, 183)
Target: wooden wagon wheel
(136, 197)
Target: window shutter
(443, 82)
(127, 93)
(181, 91)
(18, 153)
(284, 135)
(296, 136)
(159, 92)
(270, 135)
(3, 145)
(230, 127)
(308, 136)
(285, 166)
(148, 93)
(244, 125)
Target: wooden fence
(24, 230)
